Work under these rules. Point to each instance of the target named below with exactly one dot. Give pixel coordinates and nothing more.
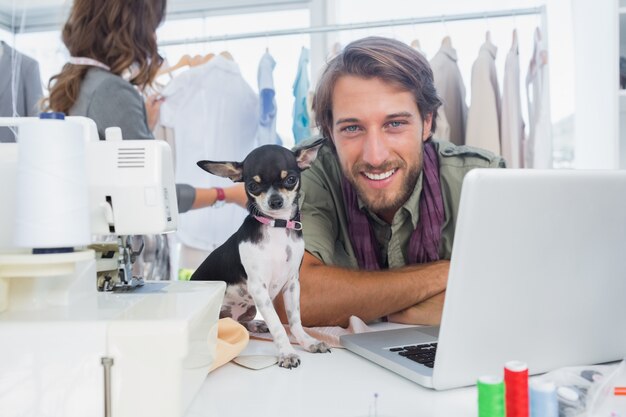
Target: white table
(339, 384)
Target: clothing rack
(362, 25)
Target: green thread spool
(490, 396)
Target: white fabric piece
(215, 116)
(267, 101)
(483, 118)
(256, 362)
(451, 89)
(512, 133)
(538, 148)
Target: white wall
(596, 83)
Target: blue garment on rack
(267, 101)
(301, 123)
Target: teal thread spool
(490, 396)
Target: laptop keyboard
(424, 353)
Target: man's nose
(375, 150)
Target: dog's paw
(256, 326)
(290, 360)
(319, 347)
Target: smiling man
(381, 200)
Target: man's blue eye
(350, 128)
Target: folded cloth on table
(232, 338)
(330, 334)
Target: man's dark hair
(376, 57)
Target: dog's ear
(305, 155)
(232, 170)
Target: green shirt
(325, 225)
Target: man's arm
(427, 312)
(330, 295)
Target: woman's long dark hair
(118, 33)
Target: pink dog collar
(288, 224)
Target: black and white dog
(263, 257)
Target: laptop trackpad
(392, 338)
(414, 335)
(431, 331)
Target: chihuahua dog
(263, 257)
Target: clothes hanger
(514, 41)
(184, 61)
(415, 44)
(335, 49)
(227, 55)
(488, 37)
(196, 60)
(446, 42)
(487, 30)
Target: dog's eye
(290, 181)
(253, 187)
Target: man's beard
(379, 200)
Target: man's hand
(428, 312)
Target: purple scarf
(424, 243)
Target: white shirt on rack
(215, 116)
(512, 133)
(538, 149)
(483, 118)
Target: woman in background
(113, 58)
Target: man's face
(378, 133)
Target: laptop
(537, 274)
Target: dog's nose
(276, 202)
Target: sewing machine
(68, 349)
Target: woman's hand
(153, 109)
(206, 197)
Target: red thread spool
(516, 389)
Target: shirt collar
(449, 52)
(490, 48)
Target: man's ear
(232, 170)
(428, 123)
(305, 155)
